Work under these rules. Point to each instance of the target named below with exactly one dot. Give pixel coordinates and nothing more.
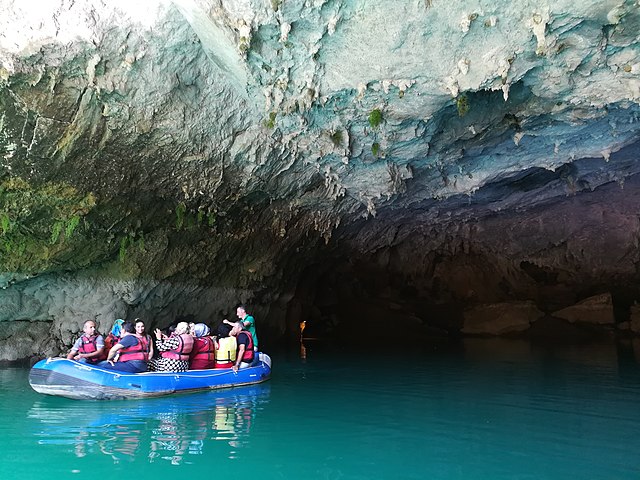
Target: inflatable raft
(71, 379)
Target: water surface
(474, 410)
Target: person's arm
(150, 348)
(73, 354)
(239, 356)
(97, 353)
(113, 352)
(168, 344)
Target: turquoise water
(474, 410)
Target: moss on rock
(38, 223)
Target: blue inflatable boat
(71, 379)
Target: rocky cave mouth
(458, 170)
(495, 266)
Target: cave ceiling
(236, 142)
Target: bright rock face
(308, 155)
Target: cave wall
(437, 154)
(552, 256)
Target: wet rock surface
(500, 318)
(597, 309)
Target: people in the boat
(144, 337)
(226, 347)
(203, 354)
(245, 353)
(174, 350)
(89, 348)
(129, 354)
(248, 323)
(114, 335)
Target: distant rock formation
(500, 318)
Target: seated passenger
(114, 336)
(89, 348)
(245, 353)
(203, 354)
(129, 354)
(174, 350)
(144, 337)
(226, 347)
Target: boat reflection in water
(173, 429)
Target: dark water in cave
(481, 409)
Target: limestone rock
(174, 157)
(595, 310)
(23, 339)
(500, 318)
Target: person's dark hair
(223, 330)
(129, 327)
(242, 306)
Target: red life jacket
(247, 356)
(203, 354)
(146, 343)
(134, 352)
(89, 345)
(183, 350)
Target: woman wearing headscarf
(203, 354)
(174, 350)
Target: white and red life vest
(183, 349)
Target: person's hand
(158, 334)
(235, 369)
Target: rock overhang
(221, 139)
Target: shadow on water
(169, 429)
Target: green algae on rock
(40, 223)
